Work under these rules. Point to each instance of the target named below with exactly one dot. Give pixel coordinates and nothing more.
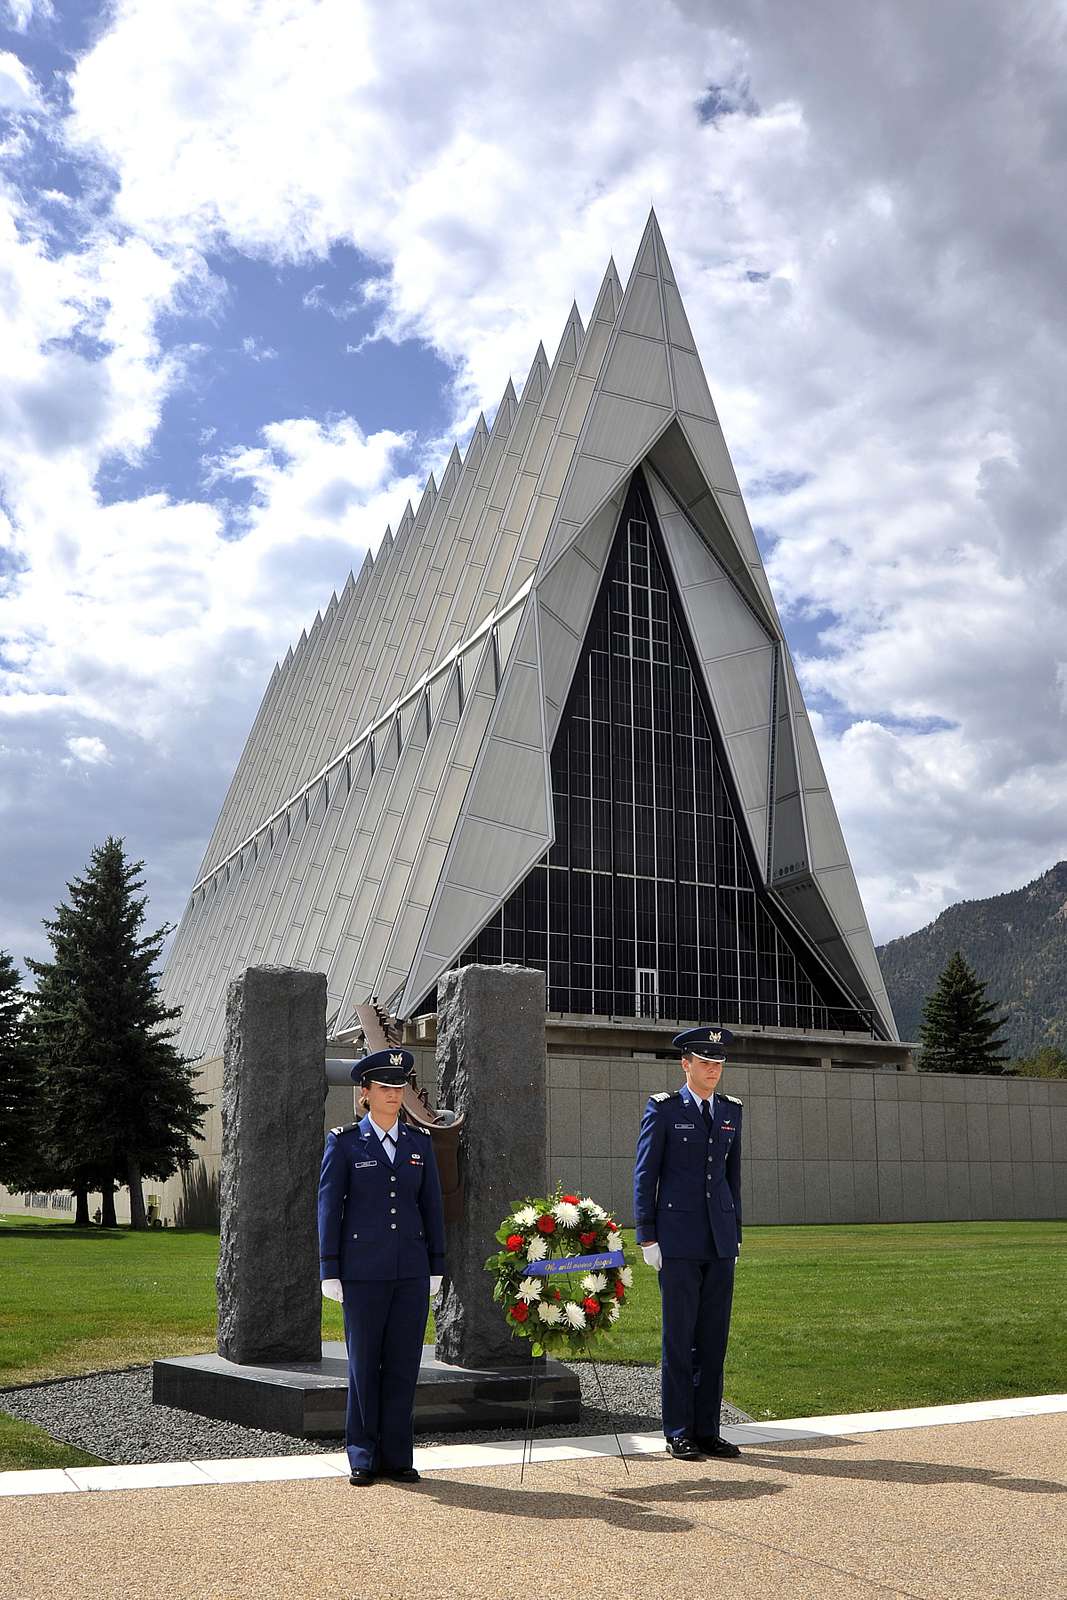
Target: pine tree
(961, 1031)
(120, 1097)
(59, 1160)
(19, 1099)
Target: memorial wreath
(568, 1237)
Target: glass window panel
(635, 759)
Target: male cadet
(687, 1205)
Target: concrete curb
(460, 1457)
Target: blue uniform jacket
(378, 1219)
(685, 1183)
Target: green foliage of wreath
(561, 1314)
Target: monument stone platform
(307, 1398)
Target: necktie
(389, 1144)
(705, 1111)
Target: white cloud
(309, 475)
(257, 351)
(130, 618)
(88, 749)
(20, 13)
(18, 90)
(937, 816)
(867, 236)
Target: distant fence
(49, 1202)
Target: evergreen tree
(19, 1099)
(121, 1102)
(960, 1030)
(55, 1164)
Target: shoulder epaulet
(733, 1099)
(423, 1133)
(345, 1128)
(664, 1094)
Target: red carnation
(572, 1199)
(592, 1306)
(515, 1241)
(620, 1289)
(556, 1295)
(546, 1224)
(587, 1238)
(520, 1311)
(614, 1226)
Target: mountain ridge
(1016, 942)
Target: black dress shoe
(360, 1478)
(399, 1474)
(712, 1445)
(684, 1449)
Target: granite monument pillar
(274, 1089)
(491, 1070)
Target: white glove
(331, 1288)
(653, 1255)
(436, 1281)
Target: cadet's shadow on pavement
(613, 1506)
(915, 1472)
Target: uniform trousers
(385, 1324)
(697, 1296)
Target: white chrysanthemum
(594, 1210)
(626, 1277)
(529, 1289)
(525, 1217)
(595, 1282)
(549, 1312)
(566, 1214)
(574, 1314)
(613, 1311)
(537, 1249)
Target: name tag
(364, 1163)
(689, 1125)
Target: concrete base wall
(832, 1146)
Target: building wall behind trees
(860, 1145)
(819, 1145)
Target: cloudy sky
(261, 260)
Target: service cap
(392, 1067)
(710, 1043)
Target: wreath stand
(531, 1418)
(578, 1224)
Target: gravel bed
(111, 1415)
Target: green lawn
(24, 1448)
(87, 1299)
(826, 1319)
(873, 1317)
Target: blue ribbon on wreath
(550, 1265)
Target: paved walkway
(909, 1503)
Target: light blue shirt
(389, 1133)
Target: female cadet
(382, 1253)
